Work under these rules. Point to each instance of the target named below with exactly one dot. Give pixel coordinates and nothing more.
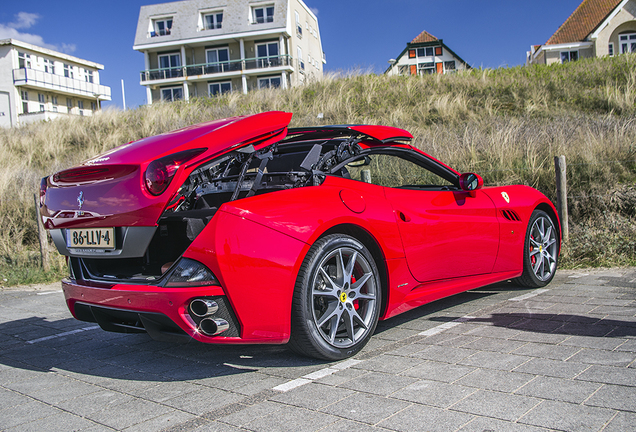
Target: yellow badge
(343, 297)
(506, 197)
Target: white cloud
(26, 20)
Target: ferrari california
(242, 230)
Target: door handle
(403, 217)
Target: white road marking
(529, 295)
(440, 328)
(316, 375)
(579, 275)
(42, 339)
(48, 292)
(292, 384)
(320, 374)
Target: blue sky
(355, 33)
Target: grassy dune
(505, 124)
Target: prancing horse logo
(80, 199)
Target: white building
(204, 47)
(41, 84)
(596, 28)
(426, 55)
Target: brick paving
(500, 358)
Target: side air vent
(511, 215)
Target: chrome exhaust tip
(213, 326)
(203, 308)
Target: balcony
(205, 70)
(48, 81)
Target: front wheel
(337, 299)
(541, 251)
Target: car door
(446, 232)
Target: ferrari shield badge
(80, 200)
(506, 197)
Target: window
(426, 68)
(438, 51)
(69, 103)
(568, 56)
(269, 82)
(213, 21)
(42, 100)
(263, 14)
(49, 66)
(80, 104)
(412, 53)
(88, 75)
(219, 88)
(403, 69)
(610, 49)
(161, 27)
(54, 100)
(93, 106)
(449, 66)
(170, 65)
(171, 94)
(301, 63)
(628, 43)
(267, 54)
(24, 60)
(393, 171)
(299, 28)
(217, 55)
(68, 71)
(425, 52)
(25, 101)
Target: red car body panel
(432, 243)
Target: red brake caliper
(533, 258)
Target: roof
(50, 52)
(583, 21)
(424, 37)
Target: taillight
(43, 187)
(189, 273)
(160, 172)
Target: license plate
(93, 238)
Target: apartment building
(426, 55)
(596, 28)
(41, 84)
(198, 48)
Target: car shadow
(447, 303)
(71, 346)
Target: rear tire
(337, 299)
(540, 251)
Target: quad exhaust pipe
(209, 325)
(213, 326)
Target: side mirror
(470, 182)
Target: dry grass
(506, 124)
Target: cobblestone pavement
(500, 358)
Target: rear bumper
(163, 313)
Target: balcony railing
(49, 81)
(216, 68)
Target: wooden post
(562, 195)
(44, 243)
(365, 176)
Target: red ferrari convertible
(241, 230)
